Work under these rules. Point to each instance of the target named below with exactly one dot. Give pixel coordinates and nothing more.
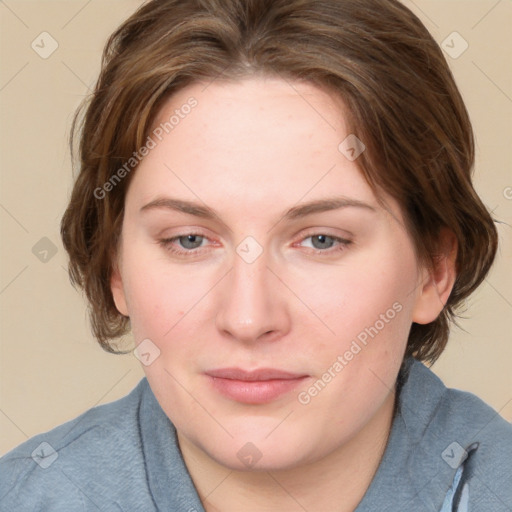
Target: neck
(336, 482)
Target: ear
(116, 286)
(437, 283)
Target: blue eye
(183, 244)
(191, 241)
(322, 243)
(193, 244)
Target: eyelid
(347, 236)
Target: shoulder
(460, 430)
(458, 412)
(482, 439)
(103, 442)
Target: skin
(250, 151)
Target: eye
(184, 244)
(323, 243)
(192, 243)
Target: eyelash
(343, 243)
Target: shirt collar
(415, 469)
(168, 478)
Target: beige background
(51, 368)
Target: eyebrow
(296, 212)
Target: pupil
(191, 241)
(322, 241)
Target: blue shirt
(447, 452)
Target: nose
(252, 306)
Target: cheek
(368, 296)
(369, 309)
(158, 296)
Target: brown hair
(375, 55)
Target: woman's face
(271, 293)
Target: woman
(276, 198)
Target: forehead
(259, 142)
(256, 120)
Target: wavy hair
(376, 55)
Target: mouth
(253, 387)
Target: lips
(261, 374)
(253, 387)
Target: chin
(249, 452)
(254, 459)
